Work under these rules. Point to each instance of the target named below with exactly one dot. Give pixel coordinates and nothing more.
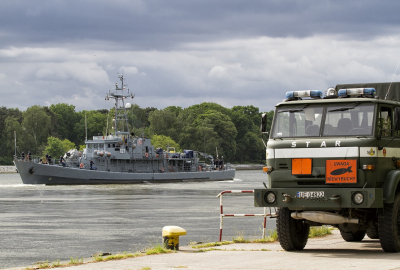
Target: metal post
(222, 217)
(265, 221)
(15, 144)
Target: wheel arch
(391, 186)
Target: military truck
(334, 159)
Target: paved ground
(330, 252)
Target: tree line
(207, 127)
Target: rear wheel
(372, 233)
(389, 226)
(354, 236)
(292, 233)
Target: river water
(39, 223)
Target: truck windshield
(297, 121)
(350, 119)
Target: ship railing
(271, 214)
(109, 137)
(34, 159)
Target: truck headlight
(358, 198)
(270, 197)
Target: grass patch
(99, 258)
(214, 244)
(272, 237)
(43, 265)
(204, 250)
(319, 231)
(157, 250)
(75, 261)
(113, 257)
(56, 264)
(240, 239)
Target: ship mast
(121, 126)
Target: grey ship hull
(35, 173)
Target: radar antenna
(121, 126)
(387, 93)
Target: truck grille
(283, 166)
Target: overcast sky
(185, 52)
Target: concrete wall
(8, 169)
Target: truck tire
(355, 236)
(292, 233)
(372, 233)
(389, 226)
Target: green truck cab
(334, 159)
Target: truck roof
(381, 91)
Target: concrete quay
(8, 169)
(330, 252)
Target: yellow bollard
(171, 236)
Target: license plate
(310, 194)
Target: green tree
(161, 141)
(66, 120)
(5, 138)
(68, 145)
(4, 113)
(163, 122)
(11, 124)
(56, 147)
(250, 148)
(207, 130)
(37, 126)
(96, 122)
(138, 117)
(247, 121)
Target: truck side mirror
(397, 118)
(263, 126)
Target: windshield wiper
(352, 106)
(297, 109)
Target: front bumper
(333, 199)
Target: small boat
(123, 158)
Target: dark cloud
(166, 24)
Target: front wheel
(292, 233)
(389, 226)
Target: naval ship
(123, 158)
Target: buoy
(146, 155)
(171, 236)
(81, 165)
(140, 142)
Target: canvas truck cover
(381, 89)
